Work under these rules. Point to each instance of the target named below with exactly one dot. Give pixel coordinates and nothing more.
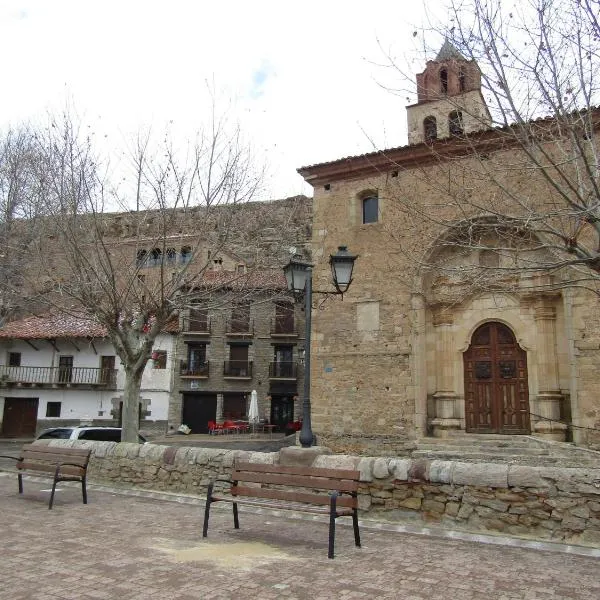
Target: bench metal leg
(355, 526)
(209, 492)
(236, 521)
(52, 494)
(20, 478)
(83, 490)
(332, 516)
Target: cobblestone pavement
(145, 547)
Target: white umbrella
(253, 416)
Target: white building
(62, 370)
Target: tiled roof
(63, 326)
(52, 326)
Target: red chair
(230, 427)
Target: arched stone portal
(496, 386)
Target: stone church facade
(408, 352)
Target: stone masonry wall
(559, 504)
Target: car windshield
(60, 433)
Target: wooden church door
(496, 390)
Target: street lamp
(299, 280)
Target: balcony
(238, 328)
(196, 326)
(285, 327)
(237, 369)
(199, 371)
(283, 370)
(58, 377)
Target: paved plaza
(148, 546)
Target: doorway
(20, 417)
(496, 386)
(282, 411)
(198, 410)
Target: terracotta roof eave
(411, 155)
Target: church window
(370, 209)
(430, 128)
(462, 82)
(444, 81)
(455, 123)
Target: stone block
(381, 468)
(433, 506)
(481, 474)
(441, 471)
(294, 455)
(411, 503)
(452, 508)
(398, 467)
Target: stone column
(445, 397)
(219, 408)
(418, 360)
(548, 401)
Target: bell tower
(449, 99)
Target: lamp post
(299, 280)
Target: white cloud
(299, 74)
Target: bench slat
(320, 510)
(292, 496)
(49, 468)
(301, 481)
(298, 470)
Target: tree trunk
(130, 416)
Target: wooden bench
(304, 489)
(59, 464)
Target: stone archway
(496, 386)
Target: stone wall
(559, 504)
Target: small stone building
(413, 351)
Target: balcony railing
(199, 326)
(237, 368)
(285, 326)
(239, 328)
(200, 370)
(283, 370)
(58, 376)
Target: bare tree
(521, 186)
(133, 270)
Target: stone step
(516, 441)
(523, 450)
(534, 460)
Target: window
(444, 81)
(198, 319)
(53, 409)
(196, 359)
(155, 258)
(455, 123)
(141, 258)
(370, 209)
(171, 256)
(186, 255)
(430, 128)
(160, 359)
(240, 318)
(14, 359)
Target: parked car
(97, 434)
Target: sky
(304, 79)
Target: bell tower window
(455, 123)
(461, 80)
(444, 81)
(430, 128)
